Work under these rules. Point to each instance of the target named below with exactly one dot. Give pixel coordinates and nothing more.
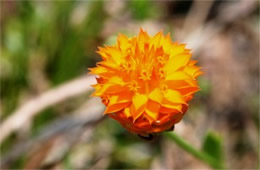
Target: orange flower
(146, 82)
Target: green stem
(196, 153)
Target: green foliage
(205, 86)
(72, 58)
(41, 119)
(8, 143)
(19, 163)
(45, 33)
(142, 9)
(67, 164)
(212, 145)
(206, 155)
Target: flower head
(146, 81)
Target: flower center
(163, 88)
(145, 75)
(161, 73)
(126, 67)
(133, 86)
(161, 60)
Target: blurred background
(48, 120)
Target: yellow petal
(167, 43)
(177, 49)
(97, 87)
(102, 53)
(114, 54)
(116, 80)
(98, 70)
(178, 75)
(191, 70)
(139, 104)
(173, 96)
(198, 73)
(150, 119)
(156, 95)
(108, 65)
(127, 112)
(176, 62)
(156, 40)
(123, 42)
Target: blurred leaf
(143, 9)
(77, 47)
(14, 37)
(111, 40)
(212, 145)
(8, 143)
(26, 9)
(42, 119)
(95, 20)
(67, 163)
(204, 85)
(19, 163)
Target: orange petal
(116, 107)
(188, 91)
(177, 117)
(143, 37)
(180, 84)
(152, 109)
(120, 98)
(118, 102)
(113, 85)
(171, 108)
(192, 62)
(112, 88)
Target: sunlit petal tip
(145, 80)
(90, 69)
(92, 94)
(100, 49)
(141, 30)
